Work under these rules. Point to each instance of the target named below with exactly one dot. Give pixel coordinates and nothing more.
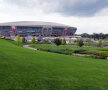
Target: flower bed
(102, 54)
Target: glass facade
(37, 31)
(33, 31)
(47, 32)
(70, 31)
(5, 30)
(57, 31)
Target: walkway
(28, 46)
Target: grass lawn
(21, 68)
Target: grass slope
(21, 68)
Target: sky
(89, 16)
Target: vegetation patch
(69, 50)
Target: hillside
(21, 68)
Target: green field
(21, 68)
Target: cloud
(70, 12)
(103, 12)
(64, 7)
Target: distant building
(36, 28)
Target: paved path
(28, 46)
(81, 54)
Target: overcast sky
(89, 16)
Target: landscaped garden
(68, 49)
(79, 47)
(21, 68)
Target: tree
(23, 40)
(70, 41)
(80, 43)
(89, 40)
(58, 41)
(100, 43)
(33, 40)
(85, 35)
(77, 41)
(64, 41)
(18, 40)
(47, 41)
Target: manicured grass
(21, 68)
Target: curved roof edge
(34, 23)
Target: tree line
(94, 35)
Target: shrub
(70, 51)
(47, 41)
(64, 41)
(33, 40)
(66, 51)
(57, 41)
(81, 51)
(80, 43)
(23, 40)
(38, 42)
(102, 53)
(70, 41)
(92, 52)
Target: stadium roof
(33, 23)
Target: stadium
(36, 28)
